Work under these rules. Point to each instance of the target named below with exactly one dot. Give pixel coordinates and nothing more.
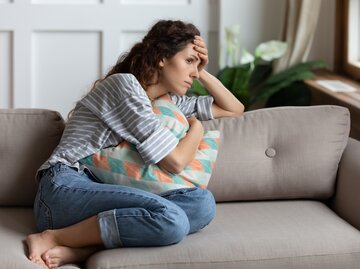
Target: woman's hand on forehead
(201, 48)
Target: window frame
(342, 64)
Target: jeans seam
(148, 215)
(100, 191)
(48, 216)
(184, 191)
(64, 172)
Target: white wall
(259, 20)
(262, 20)
(51, 51)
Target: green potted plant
(251, 79)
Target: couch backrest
(27, 138)
(279, 153)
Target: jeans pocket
(42, 215)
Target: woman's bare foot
(60, 255)
(38, 244)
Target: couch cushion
(279, 153)
(27, 138)
(282, 234)
(15, 225)
(123, 164)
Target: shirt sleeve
(122, 104)
(199, 106)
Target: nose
(195, 73)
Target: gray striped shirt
(118, 109)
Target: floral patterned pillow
(123, 164)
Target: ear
(162, 62)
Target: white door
(51, 51)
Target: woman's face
(177, 73)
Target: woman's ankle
(51, 236)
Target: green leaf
(236, 79)
(271, 88)
(197, 88)
(299, 68)
(296, 94)
(241, 79)
(277, 82)
(227, 76)
(259, 75)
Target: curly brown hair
(164, 40)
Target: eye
(189, 60)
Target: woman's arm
(225, 103)
(185, 151)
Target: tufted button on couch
(286, 181)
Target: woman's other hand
(195, 123)
(185, 151)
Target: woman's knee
(141, 227)
(205, 209)
(199, 205)
(176, 226)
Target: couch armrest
(347, 197)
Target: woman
(78, 215)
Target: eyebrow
(194, 56)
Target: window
(347, 46)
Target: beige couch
(288, 196)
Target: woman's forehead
(189, 49)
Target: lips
(188, 83)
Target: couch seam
(248, 260)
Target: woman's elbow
(238, 111)
(171, 165)
(176, 169)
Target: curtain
(300, 25)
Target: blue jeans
(126, 216)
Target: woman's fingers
(200, 44)
(201, 48)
